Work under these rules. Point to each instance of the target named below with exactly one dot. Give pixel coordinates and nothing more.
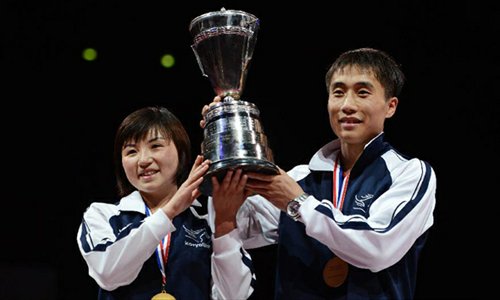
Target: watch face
(293, 208)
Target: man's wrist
(292, 208)
(224, 227)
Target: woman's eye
(129, 152)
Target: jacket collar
(324, 158)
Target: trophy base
(219, 169)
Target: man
(351, 223)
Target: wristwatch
(292, 208)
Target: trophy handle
(198, 61)
(255, 24)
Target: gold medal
(163, 296)
(335, 272)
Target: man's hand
(278, 189)
(205, 108)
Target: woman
(158, 238)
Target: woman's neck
(155, 201)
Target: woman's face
(151, 164)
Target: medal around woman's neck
(161, 253)
(163, 296)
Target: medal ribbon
(162, 254)
(339, 184)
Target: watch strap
(294, 206)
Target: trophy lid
(223, 43)
(223, 17)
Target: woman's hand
(228, 196)
(188, 191)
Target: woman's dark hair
(136, 127)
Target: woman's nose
(145, 158)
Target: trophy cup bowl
(233, 136)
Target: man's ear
(392, 104)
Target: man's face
(357, 105)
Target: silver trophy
(223, 43)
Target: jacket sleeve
(396, 220)
(232, 268)
(115, 259)
(258, 222)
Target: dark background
(60, 113)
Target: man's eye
(338, 93)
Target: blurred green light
(167, 60)
(89, 54)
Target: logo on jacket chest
(196, 237)
(360, 202)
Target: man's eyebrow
(359, 83)
(365, 83)
(338, 83)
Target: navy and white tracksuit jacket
(380, 230)
(118, 243)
